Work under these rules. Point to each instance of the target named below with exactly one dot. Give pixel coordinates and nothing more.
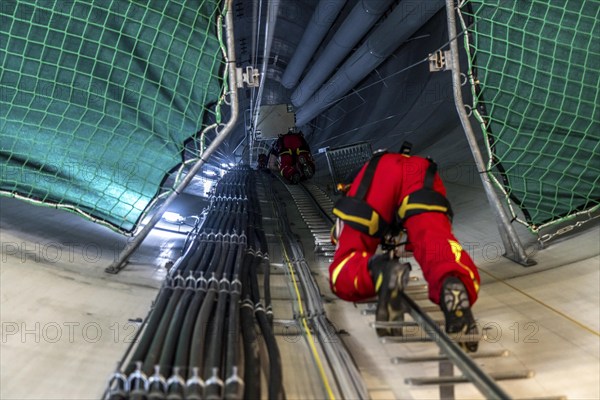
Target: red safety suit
(294, 157)
(430, 236)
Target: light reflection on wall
(208, 185)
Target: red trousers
(293, 154)
(435, 248)
(289, 164)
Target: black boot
(295, 178)
(390, 277)
(455, 304)
(306, 169)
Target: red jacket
(436, 249)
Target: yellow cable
(311, 341)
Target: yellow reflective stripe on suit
(457, 251)
(372, 223)
(338, 268)
(404, 207)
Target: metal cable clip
(214, 379)
(224, 285)
(190, 281)
(236, 285)
(202, 283)
(158, 378)
(138, 375)
(195, 379)
(213, 283)
(120, 377)
(175, 379)
(234, 378)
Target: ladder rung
(559, 397)
(417, 295)
(423, 337)
(447, 380)
(413, 290)
(416, 287)
(397, 324)
(427, 309)
(491, 354)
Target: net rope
(534, 68)
(101, 101)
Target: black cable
(214, 343)
(146, 340)
(275, 374)
(159, 336)
(192, 260)
(185, 336)
(249, 336)
(234, 388)
(169, 349)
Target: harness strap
(361, 216)
(355, 211)
(425, 199)
(358, 214)
(365, 183)
(430, 174)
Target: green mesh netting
(97, 99)
(536, 67)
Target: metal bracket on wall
(440, 61)
(250, 77)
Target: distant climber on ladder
(391, 194)
(294, 160)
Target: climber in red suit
(400, 190)
(295, 161)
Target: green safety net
(536, 78)
(99, 100)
